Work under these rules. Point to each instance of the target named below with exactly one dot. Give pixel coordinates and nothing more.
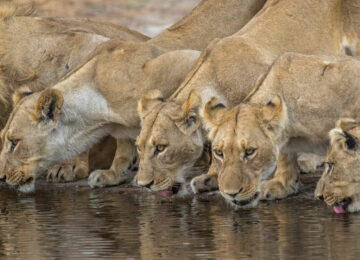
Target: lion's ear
(20, 93)
(189, 119)
(48, 106)
(213, 113)
(274, 113)
(149, 101)
(346, 124)
(341, 133)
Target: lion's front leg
(286, 179)
(71, 170)
(206, 182)
(125, 160)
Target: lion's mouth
(341, 207)
(243, 203)
(173, 190)
(28, 181)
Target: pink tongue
(339, 209)
(165, 193)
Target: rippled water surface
(113, 224)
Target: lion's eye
(13, 144)
(328, 167)
(249, 152)
(159, 148)
(219, 153)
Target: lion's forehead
(153, 136)
(20, 122)
(241, 137)
(241, 124)
(156, 123)
(163, 123)
(21, 112)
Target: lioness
(100, 96)
(339, 185)
(291, 110)
(36, 52)
(172, 135)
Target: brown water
(109, 224)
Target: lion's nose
(233, 194)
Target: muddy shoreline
(308, 180)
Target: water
(70, 223)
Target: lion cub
(291, 110)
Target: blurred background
(146, 16)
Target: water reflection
(107, 224)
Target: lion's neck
(85, 118)
(85, 103)
(83, 122)
(83, 99)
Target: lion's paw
(204, 183)
(103, 178)
(61, 173)
(67, 172)
(274, 189)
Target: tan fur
(15, 8)
(229, 68)
(148, 101)
(73, 169)
(206, 22)
(20, 93)
(340, 179)
(36, 52)
(111, 81)
(48, 105)
(290, 112)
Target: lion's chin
(27, 187)
(245, 204)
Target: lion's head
(243, 142)
(27, 134)
(339, 185)
(170, 142)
